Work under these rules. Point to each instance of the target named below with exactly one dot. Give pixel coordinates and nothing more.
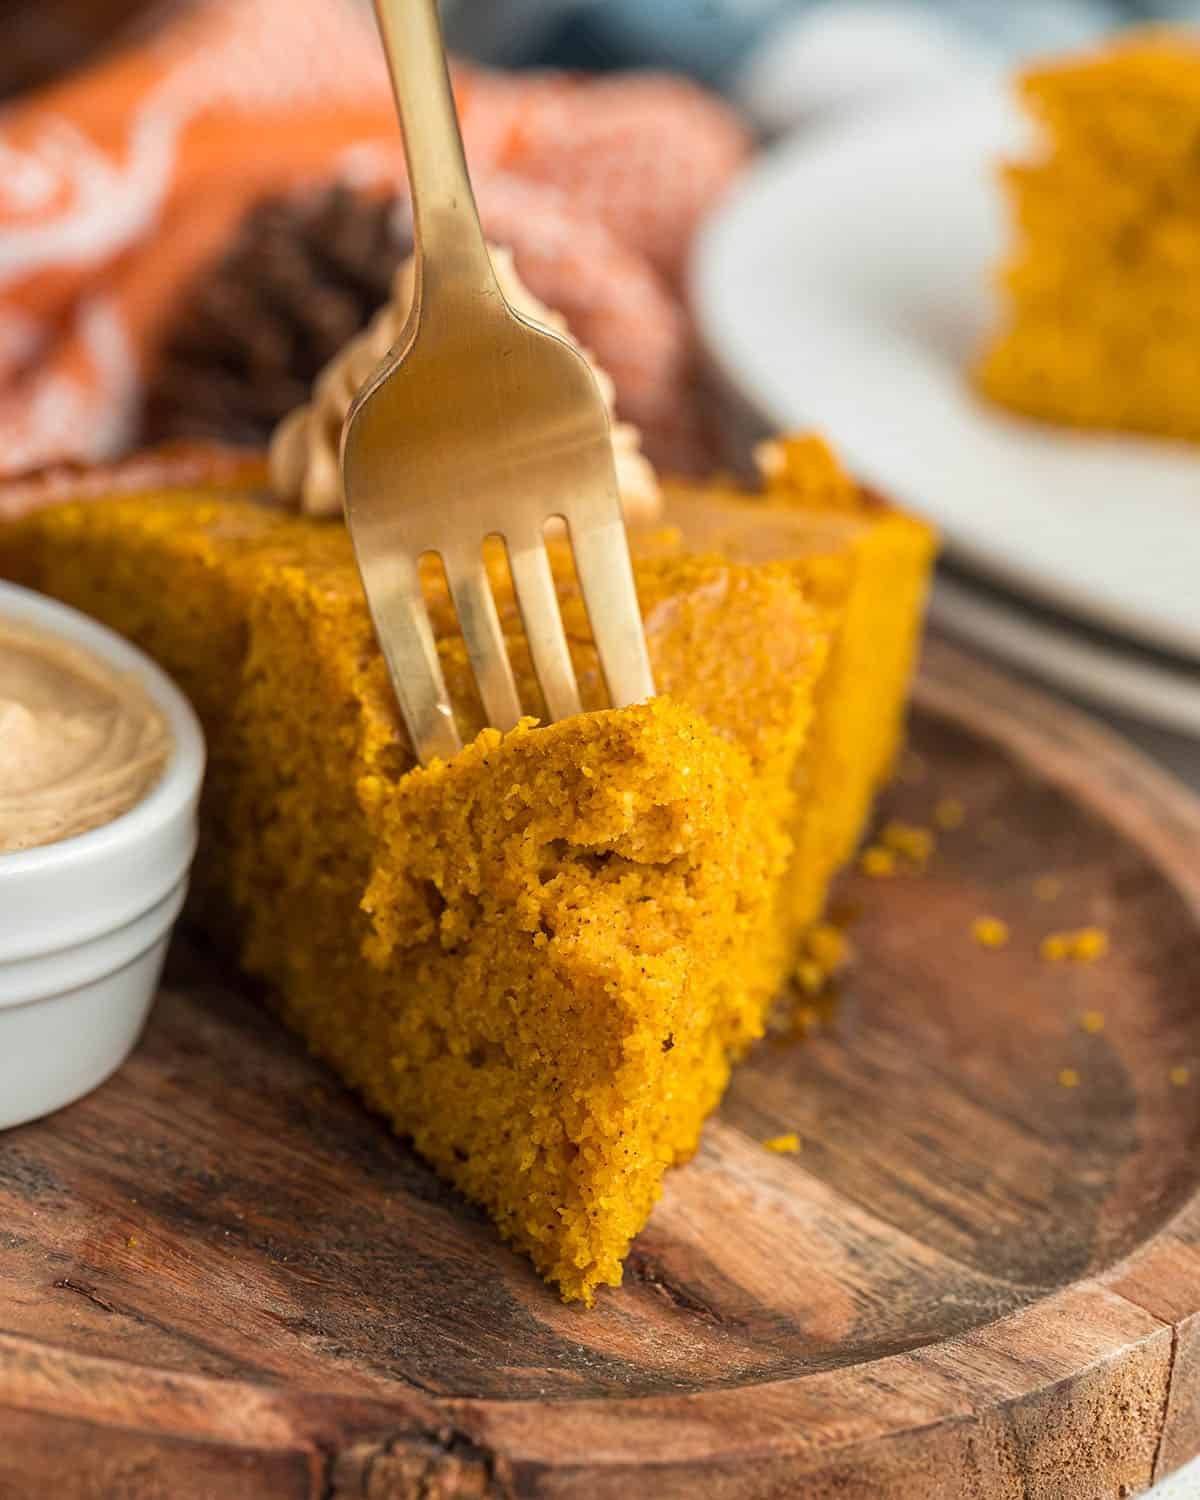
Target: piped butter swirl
(304, 447)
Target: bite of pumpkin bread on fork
(539, 958)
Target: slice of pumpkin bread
(1099, 325)
(539, 959)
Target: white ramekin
(84, 923)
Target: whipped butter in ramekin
(101, 759)
(80, 742)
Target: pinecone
(303, 274)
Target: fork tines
(601, 555)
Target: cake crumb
(810, 976)
(949, 813)
(1090, 943)
(1180, 1077)
(1047, 888)
(990, 932)
(131, 1241)
(1068, 1078)
(1092, 1021)
(1083, 945)
(783, 1145)
(826, 953)
(829, 946)
(877, 862)
(908, 841)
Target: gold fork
(478, 424)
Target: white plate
(1132, 682)
(844, 286)
(1184, 1484)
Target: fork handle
(451, 255)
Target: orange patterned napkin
(117, 183)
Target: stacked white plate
(845, 285)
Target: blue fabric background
(709, 38)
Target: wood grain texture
(220, 1276)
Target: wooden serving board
(220, 1277)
